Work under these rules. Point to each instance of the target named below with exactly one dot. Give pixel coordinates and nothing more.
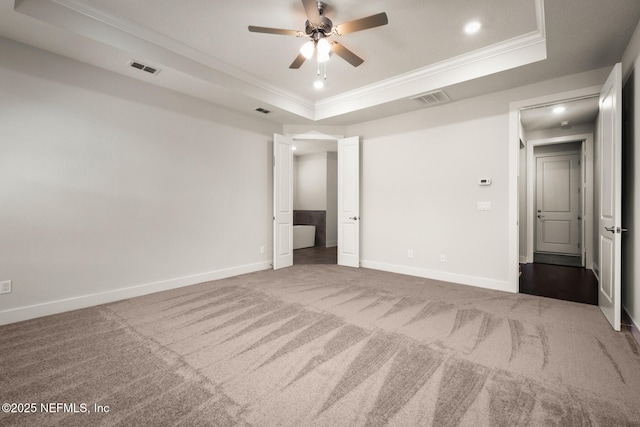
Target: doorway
(556, 218)
(346, 210)
(606, 222)
(558, 228)
(315, 200)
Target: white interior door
(610, 228)
(349, 202)
(558, 204)
(282, 202)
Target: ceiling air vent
(142, 67)
(262, 110)
(432, 98)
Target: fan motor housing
(324, 26)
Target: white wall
(631, 181)
(420, 186)
(112, 188)
(310, 182)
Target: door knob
(355, 218)
(615, 230)
(540, 216)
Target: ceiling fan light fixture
(307, 49)
(323, 47)
(323, 57)
(318, 84)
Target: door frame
(586, 196)
(513, 255)
(310, 136)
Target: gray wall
(420, 189)
(111, 187)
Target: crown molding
(502, 56)
(521, 50)
(127, 36)
(168, 53)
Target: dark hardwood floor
(316, 255)
(560, 282)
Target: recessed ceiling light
(472, 27)
(318, 84)
(559, 109)
(293, 148)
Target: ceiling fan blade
(346, 54)
(311, 9)
(362, 24)
(298, 61)
(280, 31)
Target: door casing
(290, 139)
(513, 257)
(576, 215)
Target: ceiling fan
(318, 28)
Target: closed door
(558, 204)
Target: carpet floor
(322, 345)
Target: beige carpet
(322, 345)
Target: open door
(610, 212)
(282, 202)
(349, 202)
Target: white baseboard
(331, 243)
(54, 307)
(523, 259)
(634, 325)
(596, 271)
(479, 282)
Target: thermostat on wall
(485, 181)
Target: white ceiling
(576, 112)
(204, 49)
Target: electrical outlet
(5, 287)
(484, 206)
(443, 257)
(410, 253)
(261, 249)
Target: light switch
(484, 206)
